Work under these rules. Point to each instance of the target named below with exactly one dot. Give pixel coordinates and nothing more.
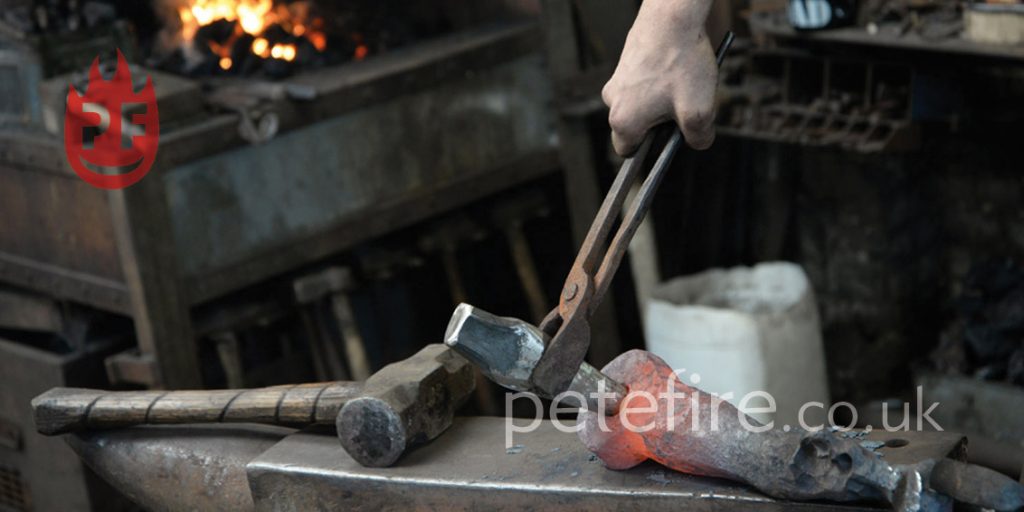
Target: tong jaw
(569, 328)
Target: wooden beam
(142, 225)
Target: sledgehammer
(404, 404)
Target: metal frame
(136, 271)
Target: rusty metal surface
(241, 203)
(977, 485)
(469, 468)
(503, 101)
(172, 468)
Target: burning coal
(243, 36)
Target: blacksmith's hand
(667, 72)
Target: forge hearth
(356, 150)
(277, 38)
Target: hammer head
(505, 349)
(405, 404)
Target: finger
(626, 130)
(698, 126)
(694, 104)
(608, 92)
(630, 122)
(623, 147)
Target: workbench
(224, 467)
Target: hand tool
(783, 463)
(445, 238)
(558, 366)
(335, 283)
(229, 352)
(595, 265)
(506, 350)
(405, 403)
(510, 216)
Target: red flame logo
(124, 149)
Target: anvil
(470, 467)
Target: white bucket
(743, 330)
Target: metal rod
(594, 243)
(631, 222)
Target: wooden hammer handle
(62, 410)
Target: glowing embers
(245, 36)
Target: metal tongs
(591, 274)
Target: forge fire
(250, 36)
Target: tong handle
(595, 265)
(631, 221)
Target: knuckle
(697, 119)
(607, 94)
(619, 120)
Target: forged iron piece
(698, 433)
(507, 350)
(976, 485)
(406, 403)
